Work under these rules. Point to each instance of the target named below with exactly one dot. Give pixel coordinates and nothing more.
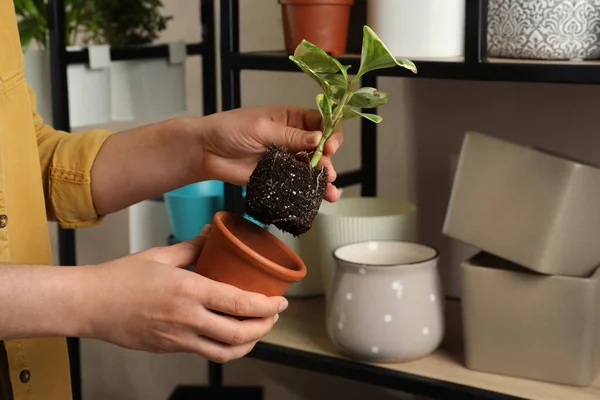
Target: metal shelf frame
(475, 66)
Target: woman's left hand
(234, 141)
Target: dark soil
(285, 190)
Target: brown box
(525, 205)
(523, 324)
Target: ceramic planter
(305, 246)
(241, 253)
(147, 88)
(525, 205)
(88, 87)
(321, 22)
(386, 302)
(558, 29)
(359, 219)
(528, 325)
(419, 29)
(193, 206)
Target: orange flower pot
(322, 22)
(240, 253)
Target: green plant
(79, 17)
(340, 94)
(123, 23)
(115, 22)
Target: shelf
(299, 340)
(133, 53)
(492, 69)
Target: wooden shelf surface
(302, 327)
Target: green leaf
(27, 32)
(375, 55)
(316, 58)
(368, 97)
(310, 72)
(324, 106)
(349, 113)
(337, 84)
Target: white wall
(422, 130)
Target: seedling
(285, 189)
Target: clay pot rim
(435, 256)
(290, 275)
(317, 2)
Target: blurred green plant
(118, 23)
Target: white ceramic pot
(386, 303)
(147, 88)
(88, 89)
(419, 29)
(529, 206)
(531, 326)
(148, 225)
(359, 219)
(305, 246)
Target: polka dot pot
(385, 301)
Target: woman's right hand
(147, 301)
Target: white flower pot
(419, 29)
(88, 89)
(305, 246)
(147, 88)
(358, 219)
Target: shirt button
(3, 221)
(25, 376)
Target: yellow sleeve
(66, 161)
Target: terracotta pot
(321, 22)
(240, 253)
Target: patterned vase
(544, 29)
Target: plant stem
(331, 126)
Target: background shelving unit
(60, 59)
(299, 339)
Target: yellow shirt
(44, 174)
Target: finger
(332, 194)
(185, 253)
(231, 300)
(294, 139)
(304, 118)
(333, 143)
(232, 331)
(215, 351)
(331, 173)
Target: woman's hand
(146, 301)
(233, 141)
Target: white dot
(396, 285)
(432, 297)
(362, 271)
(375, 349)
(387, 318)
(425, 331)
(348, 296)
(340, 325)
(372, 245)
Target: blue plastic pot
(193, 206)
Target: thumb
(295, 139)
(187, 252)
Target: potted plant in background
(83, 79)
(285, 189)
(146, 87)
(123, 90)
(321, 22)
